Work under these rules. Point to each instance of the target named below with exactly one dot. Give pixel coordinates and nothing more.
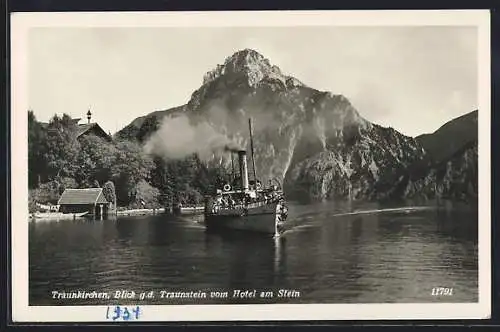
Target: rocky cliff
(451, 137)
(315, 142)
(450, 172)
(454, 179)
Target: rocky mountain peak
(253, 65)
(314, 142)
(247, 58)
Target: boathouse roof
(85, 196)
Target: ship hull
(260, 219)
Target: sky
(413, 79)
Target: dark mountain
(451, 170)
(455, 178)
(143, 126)
(315, 142)
(451, 137)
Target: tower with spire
(89, 116)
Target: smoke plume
(178, 138)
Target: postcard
(250, 166)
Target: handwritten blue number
(125, 314)
(136, 311)
(117, 312)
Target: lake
(339, 252)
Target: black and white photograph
(217, 166)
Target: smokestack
(242, 158)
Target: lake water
(327, 255)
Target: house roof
(85, 127)
(82, 196)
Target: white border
(22, 22)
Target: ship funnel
(242, 159)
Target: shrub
(147, 194)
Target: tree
(95, 160)
(32, 208)
(58, 159)
(108, 191)
(47, 193)
(61, 147)
(130, 166)
(161, 179)
(145, 195)
(149, 126)
(186, 180)
(65, 183)
(37, 165)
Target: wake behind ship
(246, 205)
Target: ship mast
(251, 151)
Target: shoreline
(141, 212)
(57, 216)
(53, 216)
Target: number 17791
(439, 291)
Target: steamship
(244, 204)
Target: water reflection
(328, 253)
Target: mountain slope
(315, 142)
(451, 172)
(455, 178)
(354, 170)
(141, 127)
(451, 137)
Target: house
(84, 129)
(89, 200)
(91, 128)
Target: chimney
(242, 158)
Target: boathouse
(89, 200)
